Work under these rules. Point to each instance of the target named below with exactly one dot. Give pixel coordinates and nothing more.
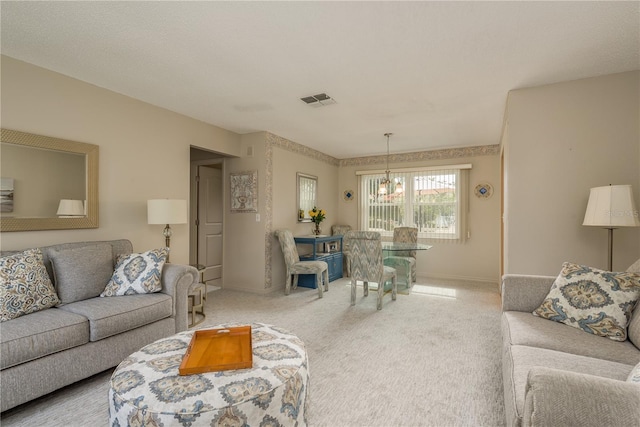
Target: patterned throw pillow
(137, 274)
(25, 286)
(634, 376)
(596, 301)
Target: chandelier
(386, 183)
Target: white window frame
(369, 180)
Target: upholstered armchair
(405, 258)
(341, 230)
(366, 264)
(296, 267)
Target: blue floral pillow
(25, 286)
(137, 274)
(598, 302)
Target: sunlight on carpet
(433, 291)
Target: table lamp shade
(166, 211)
(69, 207)
(611, 206)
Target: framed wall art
(244, 191)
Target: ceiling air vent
(319, 100)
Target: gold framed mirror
(42, 177)
(307, 189)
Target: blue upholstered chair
(405, 258)
(365, 257)
(341, 230)
(296, 267)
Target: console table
(320, 248)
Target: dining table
(392, 250)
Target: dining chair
(296, 267)
(406, 258)
(341, 230)
(367, 266)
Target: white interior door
(210, 223)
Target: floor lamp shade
(611, 207)
(166, 211)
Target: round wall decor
(484, 190)
(348, 195)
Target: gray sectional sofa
(46, 350)
(558, 375)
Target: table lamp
(167, 211)
(69, 208)
(611, 207)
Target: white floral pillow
(25, 286)
(598, 302)
(137, 274)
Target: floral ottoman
(146, 389)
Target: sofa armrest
(524, 292)
(564, 398)
(176, 280)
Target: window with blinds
(429, 199)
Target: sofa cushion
(111, 316)
(634, 375)
(137, 274)
(40, 334)
(25, 286)
(596, 301)
(634, 327)
(634, 324)
(520, 328)
(81, 273)
(518, 361)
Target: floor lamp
(167, 211)
(611, 207)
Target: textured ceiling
(436, 74)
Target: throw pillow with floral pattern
(25, 286)
(137, 274)
(596, 301)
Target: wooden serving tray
(218, 349)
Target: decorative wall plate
(484, 190)
(348, 195)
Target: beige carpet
(431, 358)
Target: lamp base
(167, 239)
(610, 249)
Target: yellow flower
(317, 215)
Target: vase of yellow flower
(317, 216)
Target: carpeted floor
(431, 358)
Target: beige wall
(244, 241)
(144, 152)
(476, 258)
(562, 140)
(286, 163)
